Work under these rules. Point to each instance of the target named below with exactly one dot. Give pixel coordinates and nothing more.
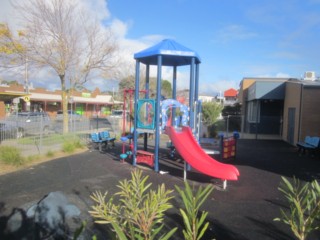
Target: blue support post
(157, 134)
(174, 92)
(196, 85)
(199, 111)
(191, 93)
(136, 96)
(174, 83)
(221, 145)
(145, 137)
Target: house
(230, 96)
(206, 98)
(283, 107)
(14, 98)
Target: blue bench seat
(309, 144)
(102, 139)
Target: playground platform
(244, 211)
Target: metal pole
(227, 134)
(26, 83)
(157, 122)
(147, 86)
(191, 94)
(136, 96)
(257, 119)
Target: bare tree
(60, 36)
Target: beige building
(284, 107)
(301, 116)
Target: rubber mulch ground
(245, 210)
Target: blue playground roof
(173, 54)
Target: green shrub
(304, 203)
(68, 147)
(50, 153)
(77, 143)
(138, 214)
(212, 131)
(31, 158)
(194, 227)
(11, 155)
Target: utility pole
(26, 83)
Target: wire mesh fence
(38, 134)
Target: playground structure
(228, 146)
(157, 117)
(127, 129)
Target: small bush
(11, 155)
(304, 207)
(194, 222)
(77, 143)
(33, 158)
(50, 153)
(68, 147)
(212, 131)
(139, 213)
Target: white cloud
(7, 14)
(314, 1)
(276, 75)
(282, 75)
(217, 86)
(233, 32)
(127, 48)
(285, 55)
(96, 8)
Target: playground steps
(145, 157)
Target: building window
(254, 112)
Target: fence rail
(39, 137)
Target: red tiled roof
(231, 93)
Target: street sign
(26, 98)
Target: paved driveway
(244, 211)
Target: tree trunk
(64, 102)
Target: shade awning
(173, 54)
(6, 96)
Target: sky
(234, 38)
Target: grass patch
(32, 158)
(69, 146)
(50, 153)
(47, 140)
(11, 155)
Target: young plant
(304, 203)
(11, 155)
(194, 227)
(139, 213)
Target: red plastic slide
(192, 153)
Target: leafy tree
(59, 36)
(210, 112)
(7, 44)
(166, 88)
(129, 83)
(126, 83)
(232, 110)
